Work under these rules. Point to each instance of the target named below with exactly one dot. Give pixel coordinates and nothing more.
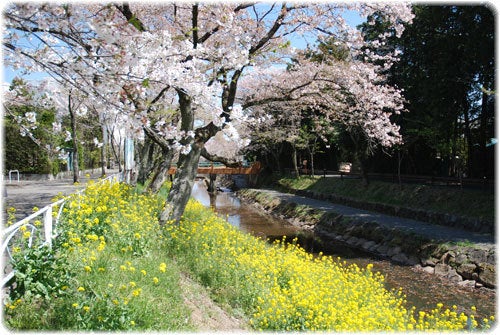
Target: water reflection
(246, 218)
(422, 290)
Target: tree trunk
(400, 159)
(294, 161)
(311, 157)
(187, 166)
(103, 161)
(470, 144)
(482, 134)
(364, 170)
(161, 172)
(103, 149)
(76, 170)
(276, 154)
(117, 153)
(361, 154)
(182, 185)
(146, 161)
(211, 184)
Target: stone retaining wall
(464, 263)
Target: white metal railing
(10, 232)
(10, 175)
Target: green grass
(466, 202)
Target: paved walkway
(409, 225)
(26, 194)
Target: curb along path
(462, 256)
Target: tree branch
(216, 158)
(158, 97)
(131, 18)
(194, 22)
(277, 24)
(163, 143)
(207, 35)
(286, 96)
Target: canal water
(422, 290)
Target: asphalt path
(24, 195)
(418, 227)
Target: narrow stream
(422, 290)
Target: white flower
(97, 143)
(56, 127)
(186, 149)
(68, 136)
(31, 117)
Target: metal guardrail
(49, 233)
(10, 175)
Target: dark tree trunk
(146, 160)
(76, 170)
(117, 153)
(211, 184)
(311, 157)
(364, 169)
(361, 153)
(470, 145)
(187, 166)
(482, 134)
(276, 154)
(160, 174)
(294, 161)
(104, 149)
(103, 161)
(183, 185)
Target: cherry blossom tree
(137, 58)
(348, 92)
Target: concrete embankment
(464, 257)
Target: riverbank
(462, 257)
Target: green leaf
(135, 22)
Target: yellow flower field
(283, 287)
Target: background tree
(33, 139)
(447, 73)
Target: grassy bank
(114, 268)
(466, 202)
